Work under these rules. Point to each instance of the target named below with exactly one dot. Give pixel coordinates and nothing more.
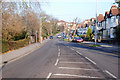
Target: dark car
(77, 39)
(51, 37)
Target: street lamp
(96, 25)
(40, 31)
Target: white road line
(67, 46)
(78, 68)
(76, 62)
(78, 52)
(59, 50)
(71, 75)
(110, 74)
(48, 76)
(56, 62)
(71, 48)
(58, 54)
(90, 60)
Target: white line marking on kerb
(56, 62)
(58, 54)
(110, 74)
(71, 75)
(78, 52)
(78, 68)
(90, 60)
(48, 76)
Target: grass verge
(91, 45)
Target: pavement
(105, 46)
(67, 60)
(21, 52)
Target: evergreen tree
(89, 33)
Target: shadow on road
(104, 50)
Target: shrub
(12, 45)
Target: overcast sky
(69, 9)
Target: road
(61, 59)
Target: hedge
(12, 45)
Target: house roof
(79, 26)
(114, 10)
(61, 21)
(100, 17)
(83, 24)
(107, 14)
(72, 23)
(94, 18)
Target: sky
(67, 10)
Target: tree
(76, 21)
(89, 33)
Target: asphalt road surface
(61, 59)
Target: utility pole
(40, 31)
(36, 36)
(96, 25)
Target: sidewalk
(21, 52)
(111, 47)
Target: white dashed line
(59, 50)
(71, 75)
(90, 60)
(56, 62)
(76, 62)
(58, 54)
(71, 48)
(48, 76)
(110, 74)
(78, 68)
(78, 52)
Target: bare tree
(77, 22)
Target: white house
(114, 19)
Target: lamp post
(40, 30)
(96, 25)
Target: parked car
(58, 36)
(77, 39)
(51, 37)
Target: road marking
(58, 54)
(56, 62)
(71, 48)
(110, 74)
(48, 76)
(71, 75)
(67, 46)
(59, 50)
(78, 68)
(78, 52)
(90, 60)
(76, 62)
